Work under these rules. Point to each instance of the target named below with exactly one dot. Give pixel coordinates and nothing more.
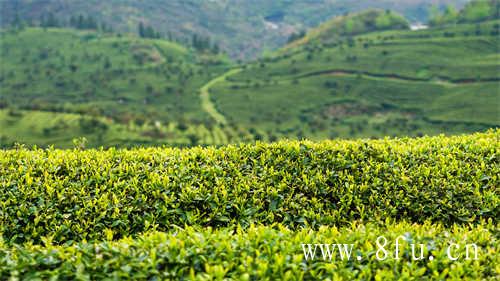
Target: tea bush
(67, 196)
(261, 253)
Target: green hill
(244, 28)
(351, 25)
(381, 83)
(474, 11)
(89, 72)
(59, 84)
(361, 75)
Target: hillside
(59, 84)
(473, 11)
(243, 212)
(244, 28)
(50, 67)
(401, 82)
(359, 75)
(351, 25)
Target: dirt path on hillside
(394, 77)
(206, 102)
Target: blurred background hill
(243, 28)
(127, 73)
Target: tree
(296, 36)
(49, 20)
(202, 44)
(216, 48)
(80, 22)
(349, 25)
(384, 20)
(473, 12)
(90, 23)
(150, 33)
(479, 10)
(107, 63)
(106, 28)
(193, 139)
(52, 21)
(141, 30)
(73, 21)
(17, 22)
(147, 31)
(451, 13)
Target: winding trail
(395, 77)
(209, 107)
(207, 104)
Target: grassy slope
(350, 25)
(383, 83)
(61, 129)
(377, 84)
(37, 71)
(146, 88)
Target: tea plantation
(118, 90)
(387, 83)
(242, 212)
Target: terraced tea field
(371, 85)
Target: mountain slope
(60, 84)
(46, 68)
(351, 25)
(111, 89)
(244, 28)
(440, 80)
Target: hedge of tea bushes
(70, 196)
(264, 253)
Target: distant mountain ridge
(243, 28)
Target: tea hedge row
(74, 195)
(267, 253)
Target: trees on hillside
(480, 10)
(49, 20)
(82, 22)
(449, 16)
(200, 43)
(18, 23)
(147, 31)
(475, 11)
(296, 36)
(387, 20)
(203, 44)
